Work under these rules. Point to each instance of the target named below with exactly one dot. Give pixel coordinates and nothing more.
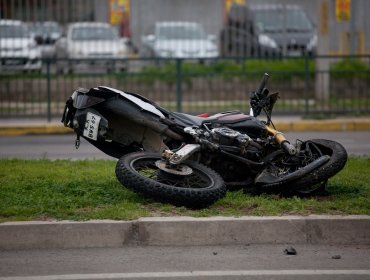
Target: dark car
(240, 37)
(268, 30)
(288, 26)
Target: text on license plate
(91, 126)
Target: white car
(179, 40)
(91, 43)
(18, 49)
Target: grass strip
(82, 190)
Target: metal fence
(199, 86)
(191, 56)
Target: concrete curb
(166, 231)
(325, 125)
(16, 130)
(356, 124)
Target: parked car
(239, 36)
(296, 33)
(268, 30)
(179, 40)
(18, 50)
(91, 43)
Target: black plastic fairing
(83, 101)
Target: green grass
(81, 190)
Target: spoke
(148, 169)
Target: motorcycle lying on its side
(192, 160)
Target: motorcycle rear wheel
(139, 172)
(309, 183)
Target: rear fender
(101, 127)
(90, 124)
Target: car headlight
(34, 53)
(312, 43)
(77, 53)
(122, 52)
(31, 45)
(211, 50)
(165, 53)
(267, 41)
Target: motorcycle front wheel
(200, 188)
(309, 182)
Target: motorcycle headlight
(267, 41)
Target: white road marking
(195, 274)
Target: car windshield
(174, 32)
(93, 33)
(273, 21)
(13, 31)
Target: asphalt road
(62, 146)
(256, 261)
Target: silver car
(179, 40)
(18, 49)
(91, 43)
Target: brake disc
(180, 169)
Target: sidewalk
(13, 127)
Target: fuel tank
(233, 119)
(241, 122)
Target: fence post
(48, 79)
(179, 85)
(306, 85)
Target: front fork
(282, 141)
(180, 155)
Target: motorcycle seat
(223, 118)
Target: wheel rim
(288, 164)
(310, 154)
(146, 167)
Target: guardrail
(193, 86)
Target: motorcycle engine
(236, 143)
(229, 137)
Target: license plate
(91, 126)
(294, 53)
